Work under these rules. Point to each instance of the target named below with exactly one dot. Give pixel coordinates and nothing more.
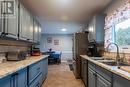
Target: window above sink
(117, 28)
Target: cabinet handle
(95, 74)
(38, 69)
(3, 34)
(28, 39)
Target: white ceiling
(56, 14)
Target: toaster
(15, 56)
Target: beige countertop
(9, 67)
(113, 69)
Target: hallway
(61, 76)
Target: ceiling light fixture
(64, 17)
(65, 1)
(63, 29)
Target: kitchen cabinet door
(23, 23)
(39, 33)
(119, 81)
(26, 25)
(6, 82)
(22, 78)
(84, 71)
(18, 79)
(29, 27)
(96, 28)
(1, 23)
(12, 23)
(45, 67)
(35, 32)
(101, 82)
(91, 78)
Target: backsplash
(8, 45)
(112, 55)
(11, 48)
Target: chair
(55, 56)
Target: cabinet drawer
(101, 82)
(104, 73)
(37, 82)
(33, 71)
(91, 66)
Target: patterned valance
(120, 14)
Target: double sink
(110, 62)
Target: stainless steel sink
(114, 63)
(97, 58)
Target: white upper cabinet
(1, 22)
(21, 26)
(9, 22)
(11, 25)
(37, 32)
(96, 28)
(26, 25)
(29, 27)
(35, 37)
(22, 23)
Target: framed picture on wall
(56, 42)
(49, 40)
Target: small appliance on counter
(16, 55)
(35, 52)
(92, 46)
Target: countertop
(113, 69)
(10, 67)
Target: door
(29, 27)
(39, 33)
(119, 81)
(3, 19)
(74, 67)
(1, 22)
(35, 32)
(91, 78)
(85, 72)
(44, 68)
(82, 69)
(12, 23)
(22, 78)
(23, 23)
(6, 82)
(101, 82)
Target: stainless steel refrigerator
(80, 47)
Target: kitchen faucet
(117, 53)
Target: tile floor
(61, 76)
